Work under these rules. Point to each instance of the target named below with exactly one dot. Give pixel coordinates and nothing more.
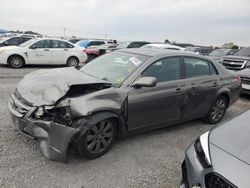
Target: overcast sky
(204, 22)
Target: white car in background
(163, 46)
(43, 51)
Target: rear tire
(98, 139)
(72, 62)
(16, 62)
(217, 111)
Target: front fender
(84, 123)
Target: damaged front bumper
(54, 138)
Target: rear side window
(195, 67)
(61, 44)
(25, 39)
(166, 69)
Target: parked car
(238, 61)
(94, 52)
(42, 51)
(163, 46)
(217, 54)
(14, 41)
(245, 78)
(134, 44)
(75, 40)
(8, 35)
(200, 50)
(118, 93)
(87, 43)
(220, 157)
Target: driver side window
(42, 44)
(166, 69)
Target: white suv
(43, 51)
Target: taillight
(84, 51)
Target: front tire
(72, 62)
(98, 139)
(16, 62)
(217, 111)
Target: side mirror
(145, 82)
(33, 47)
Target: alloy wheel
(218, 109)
(99, 137)
(16, 62)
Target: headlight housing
(58, 114)
(201, 146)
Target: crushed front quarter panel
(45, 87)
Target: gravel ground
(151, 159)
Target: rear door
(202, 82)
(159, 104)
(60, 51)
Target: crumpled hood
(244, 72)
(45, 87)
(233, 137)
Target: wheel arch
(84, 123)
(15, 54)
(73, 56)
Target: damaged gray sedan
(116, 94)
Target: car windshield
(243, 52)
(219, 52)
(114, 67)
(27, 43)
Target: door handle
(178, 90)
(65, 49)
(215, 84)
(46, 50)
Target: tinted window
(136, 44)
(197, 67)
(14, 41)
(95, 43)
(166, 69)
(42, 44)
(61, 44)
(25, 39)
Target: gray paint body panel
(134, 107)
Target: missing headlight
(59, 115)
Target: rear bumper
(83, 58)
(54, 138)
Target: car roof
(157, 52)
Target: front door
(39, 53)
(159, 104)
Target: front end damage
(58, 125)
